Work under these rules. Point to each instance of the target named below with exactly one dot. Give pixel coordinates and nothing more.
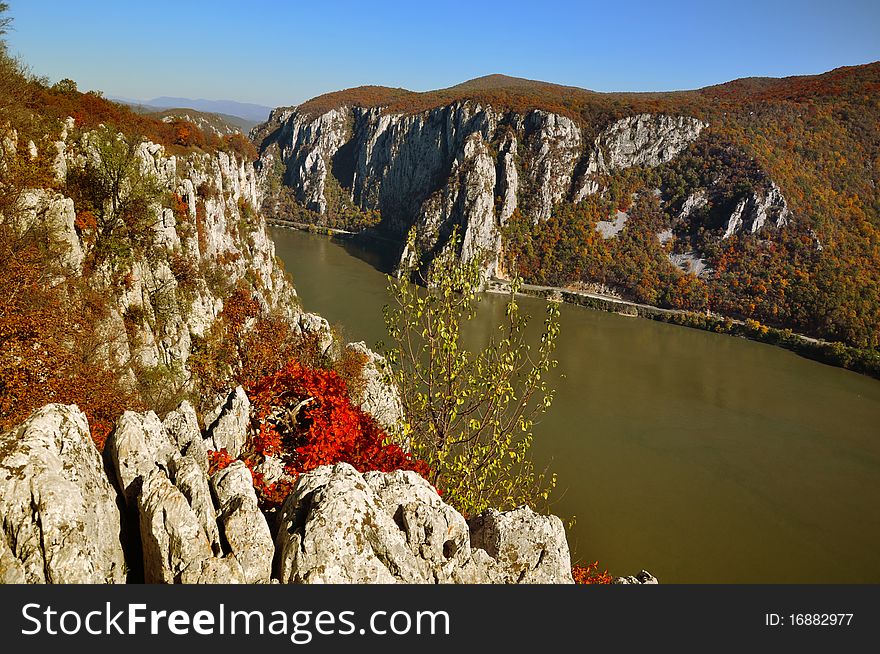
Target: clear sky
(282, 52)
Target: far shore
(831, 353)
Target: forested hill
(756, 198)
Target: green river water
(696, 456)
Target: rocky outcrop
(643, 577)
(756, 209)
(193, 528)
(58, 511)
(228, 423)
(378, 397)
(528, 548)
(463, 165)
(64, 522)
(54, 214)
(339, 526)
(172, 287)
(244, 526)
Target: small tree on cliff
(113, 189)
(468, 414)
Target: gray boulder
(244, 526)
(339, 526)
(643, 577)
(227, 424)
(378, 398)
(61, 522)
(172, 538)
(182, 426)
(191, 480)
(138, 445)
(529, 548)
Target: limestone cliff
(170, 289)
(469, 165)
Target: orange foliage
(589, 574)
(48, 346)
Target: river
(696, 456)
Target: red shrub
(589, 574)
(305, 416)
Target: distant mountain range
(255, 113)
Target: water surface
(697, 456)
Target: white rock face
(379, 398)
(463, 164)
(308, 149)
(555, 144)
(339, 526)
(152, 317)
(641, 140)
(648, 139)
(55, 214)
(244, 526)
(228, 423)
(753, 212)
(466, 201)
(61, 523)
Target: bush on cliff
(469, 415)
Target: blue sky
(278, 52)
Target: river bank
(832, 353)
(837, 354)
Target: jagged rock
(554, 142)
(338, 526)
(648, 139)
(754, 210)
(54, 213)
(61, 522)
(153, 316)
(639, 140)
(643, 577)
(244, 526)
(138, 446)
(331, 531)
(227, 424)
(182, 425)
(435, 533)
(445, 166)
(191, 479)
(507, 178)
(317, 327)
(172, 538)
(529, 548)
(379, 398)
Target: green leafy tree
(469, 415)
(114, 188)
